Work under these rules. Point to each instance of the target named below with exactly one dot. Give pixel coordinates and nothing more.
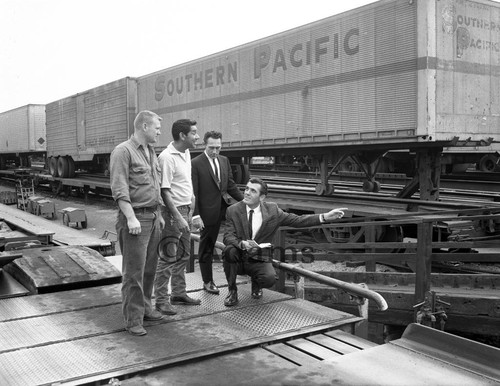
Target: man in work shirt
(135, 184)
(177, 194)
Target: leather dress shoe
(231, 299)
(153, 316)
(257, 294)
(184, 300)
(137, 330)
(256, 290)
(211, 288)
(166, 309)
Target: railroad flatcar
(375, 85)
(22, 135)
(392, 75)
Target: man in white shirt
(177, 194)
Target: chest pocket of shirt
(141, 175)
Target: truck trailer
(22, 135)
(83, 129)
(380, 84)
(389, 76)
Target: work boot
(166, 309)
(153, 316)
(137, 330)
(184, 300)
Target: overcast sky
(51, 49)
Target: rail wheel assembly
(65, 167)
(52, 162)
(488, 163)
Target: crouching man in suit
(251, 224)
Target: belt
(146, 209)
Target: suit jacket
(272, 218)
(210, 197)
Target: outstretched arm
(334, 214)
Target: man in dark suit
(250, 228)
(213, 187)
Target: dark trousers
(208, 237)
(236, 262)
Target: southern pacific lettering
(304, 53)
(315, 51)
(211, 77)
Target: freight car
(83, 129)
(22, 135)
(390, 76)
(382, 84)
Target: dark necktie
(216, 171)
(250, 218)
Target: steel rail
(350, 288)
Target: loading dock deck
(78, 336)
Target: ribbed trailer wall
(393, 72)
(92, 122)
(22, 130)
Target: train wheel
(53, 166)
(63, 167)
(320, 189)
(376, 186)
(330, 189)
(368, 186)
(71, 167)
(488, 163)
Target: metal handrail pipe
(351, 288)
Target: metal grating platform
(78, 336)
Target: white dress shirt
(256, 220)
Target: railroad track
(308, 186)
(468, 181)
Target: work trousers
(174, 250)
(139, 260)
(236, 262)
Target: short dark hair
(263, 185)
(212, 134)
(182, 126)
